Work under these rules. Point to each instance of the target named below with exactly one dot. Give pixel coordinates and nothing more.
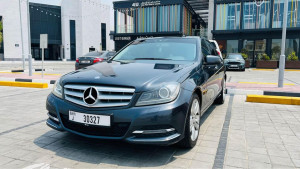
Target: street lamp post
(29, 41)
(282, 56)
(22, 41)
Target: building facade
(144, 18)
(74, 28)
(255, 27)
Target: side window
(213, 49)
(204, 48)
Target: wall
(210, 24)
(9, 10)
(88, 16)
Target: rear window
(94, 54)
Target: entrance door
(255, 49)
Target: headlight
(57, 89)
(166, 93)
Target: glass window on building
(232, 46)
(125, 21)
(293, 19)
(291, 45)
(169, 18)
(228, 16)
(256, 17)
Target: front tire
(192, 124)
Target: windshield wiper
(151, 59)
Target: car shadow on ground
(81, 150)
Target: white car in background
(215, 43)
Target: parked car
(92, 58)
(235, 61)
(216, 45)
(153, 91)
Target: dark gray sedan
(92, 58)
(235, 61)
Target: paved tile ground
(258, 136)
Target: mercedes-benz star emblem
(90, 95)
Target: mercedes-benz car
(235, 61)
(153, 91)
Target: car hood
(142, 75)
(234, 60)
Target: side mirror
(212, 60)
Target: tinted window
(94, 54)
(170, 49)
(111, 53)
(234, 56)
(205, 49)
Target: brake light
(77, 60)
(219, 53)
(98, 60)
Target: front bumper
(235, 67)
(157, 124)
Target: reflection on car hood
(142, 75)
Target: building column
(210, 24)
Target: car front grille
(107, 96)
(116, 130)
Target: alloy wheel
(195, 120)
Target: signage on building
(147, 3)
(122, 38)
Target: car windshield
(236, 56)
(160, 49)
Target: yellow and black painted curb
(24, 84)
(273, 99)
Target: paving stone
(258, 165)
(236, 154)
(259, 158)
(200, 164)
(235, 162)
(281, 161)
(204, 157)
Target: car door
(210, 88)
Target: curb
(49, 82)
(24, 84)
(289, 94)
(273, 99)
(21, 70)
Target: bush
(244, 50)
(245, 56)
(292, 57)
(264, 56)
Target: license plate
(98, 120)
(85, 61)
(233, 66)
